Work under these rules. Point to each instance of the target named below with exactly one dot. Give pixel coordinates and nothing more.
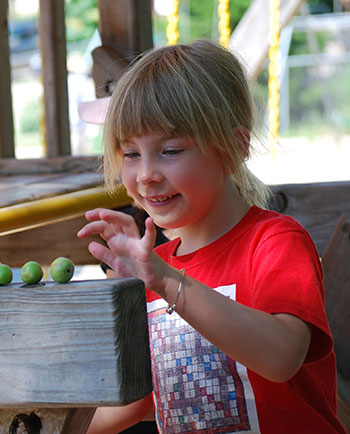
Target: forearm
(112, 420)
(274, 346)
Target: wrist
(171, 307)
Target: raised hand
(127, 253)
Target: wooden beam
(53, 54)
(78, 420)
(317, 206)
(12, 166)
(7, 145)
(77, 344)
(126, 31)
(44, 244)
(337, 283)
(126, 26)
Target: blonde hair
(198, 91)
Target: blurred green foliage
(198, 18)
(81, 19)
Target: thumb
(150, 235)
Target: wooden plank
(46, 187)
(7, 145)
(11, 166)
(344, 413)
(44, 244)
(337, 283)
(317, 206)
(250, 39)
(82, 343)
(78, 421)
(53, 54)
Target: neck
(229, 210)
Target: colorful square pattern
(197, 385)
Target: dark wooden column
(54, 66)
(7, 147)
(126, 25)
(126, 31)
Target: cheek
(127, 178)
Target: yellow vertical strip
(172, 30)
(274, 65)
(224, 22)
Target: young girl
(239, 337)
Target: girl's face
(172, 180)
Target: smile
(160, 199)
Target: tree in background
(81, 19)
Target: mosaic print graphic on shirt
(198, 386)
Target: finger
(121, 221)
(105, 255)
(101, 253)
(96, 227)
(94, 214)
(149, 239)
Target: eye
(130, 154)
(172, 151)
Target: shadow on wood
(336, 265)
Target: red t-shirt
(268, 262)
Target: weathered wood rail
(317, 206)
(68, 348)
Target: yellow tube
(19, 217)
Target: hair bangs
(156, 100)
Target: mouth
(155, 200)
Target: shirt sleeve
(287, 277)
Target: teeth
(162, 199)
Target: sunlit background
(315, 86)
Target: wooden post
(53, 54)
(69, 348)
(126, 31)
(126, 25)
(7, 146)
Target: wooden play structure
(42, 202)
(65, 349)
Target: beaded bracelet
(170, 309)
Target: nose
(148, 172)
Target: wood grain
(336, 267)
(26, 189)
(44, 244)
(78, 420)
(7, 147)
(48, 166)
(54, 65)
(317, 206)
(74, 345)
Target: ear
(243, 139)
